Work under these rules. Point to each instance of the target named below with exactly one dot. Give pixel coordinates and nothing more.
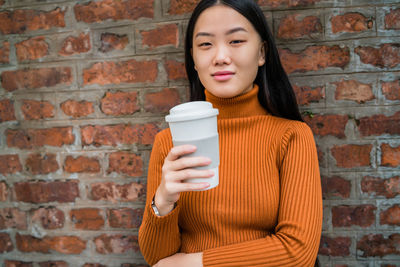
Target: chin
(225, 92)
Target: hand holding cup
(192, 164)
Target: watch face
(153, 205)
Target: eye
(205, 44)
(235, 42)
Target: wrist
(161, 208)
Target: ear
(261, 55)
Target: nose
(222, 55)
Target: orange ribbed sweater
(267, 208)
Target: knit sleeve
(159, 237)
(295, 241)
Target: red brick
(113, 135)
(391, 90)
(29, 138)
(114, 192)
(379, 124)
(77, 109)
(125, 163)
(353, 90)
(112, 41)
(351, 22)
(125, 218)
(390, 155)
(178, 7)
(12, 218)
(81, 164)
(374, 245)
(287, 3)
(3, 191)
(175, 70)
(336, 247)
(315, 58)
(7, 112)
(61, 244)
(346, 216)
(306, 94)
(351, 156)
(133, 265)
(391, 216)
(33, 48)
(392, 19)
(116, 244)
(130, 71)
(53, 264)
(35, 78)
(161, 101)
(6, 244)
(5, 53)
(119, 103)
(22, 20)
(75, 45)
(116, 10)
(93, 265)
(291, 27)
(9, 164)
(389, 188)
(42, 164)
(387, 56)
(36, 110)
(87, 219)
(324, 125)
(49, 218)
(42, 192)
(335, 187)
(162, 35)
(9, 263)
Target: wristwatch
(154, 207)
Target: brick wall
(85, 86)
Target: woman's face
(227, 51)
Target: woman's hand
(175, 170)
(182, 260)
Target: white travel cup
(195, 123)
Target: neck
(244, 105)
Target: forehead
(221, 18)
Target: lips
(223, 75)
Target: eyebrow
(231, 31)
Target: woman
(267, 208)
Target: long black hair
(276, 93)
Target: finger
(189, 162)
(179, 176)
(179, 151)
(188, 186)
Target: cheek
(249, 63)
(200, 64)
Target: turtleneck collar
(244, 105)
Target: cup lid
(191, 111)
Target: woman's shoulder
(287, 125)
(164, 134)
(163, 138)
